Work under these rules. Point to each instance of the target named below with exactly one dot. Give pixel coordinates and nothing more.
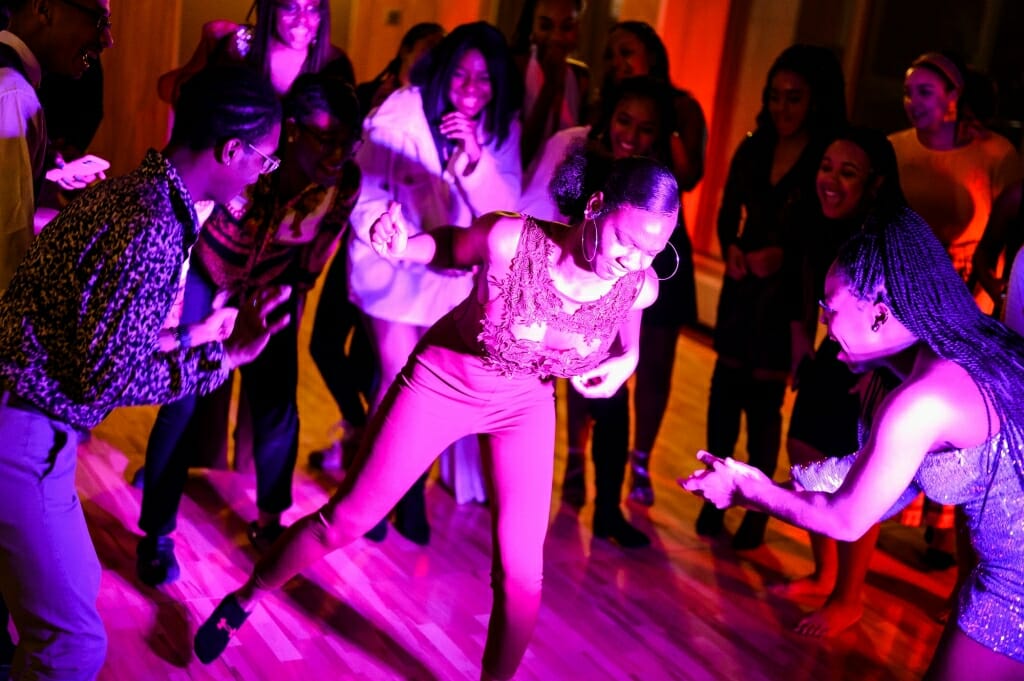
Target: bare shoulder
(942, 402)
(648, 291)
(503, 231)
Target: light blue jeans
(49, 572)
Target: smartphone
(86, 165)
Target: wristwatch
(183, 335)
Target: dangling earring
(676, 251)
(879, 320)
(583, 240)
(951, 112)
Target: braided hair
(898, 261)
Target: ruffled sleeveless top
(532, 305)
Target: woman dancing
(954, 428)
(549, 300)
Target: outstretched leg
(416, 420)
(518, 453)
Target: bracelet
(183, 335)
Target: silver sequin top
(983, 481)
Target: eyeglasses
(292, 10)
(103, 22)
(270, 163)
(331, 141)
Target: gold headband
(944, 65)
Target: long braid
(898, 260)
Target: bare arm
(446, 247)
(910, 424)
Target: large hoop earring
(676, 251)
(583, 240)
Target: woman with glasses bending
(282, 231)
(288, 38)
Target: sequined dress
(983, 481)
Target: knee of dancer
(518, 580)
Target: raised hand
(217, 326)
(253, 327)
(462, 129)
(720, 483)
(389, 234)
(605, 379)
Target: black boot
(614, 527)
(411, 514)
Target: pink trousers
(442, 395)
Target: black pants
(269, 382)
(735, 391)
(352, 374)
(609, 445)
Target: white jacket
(400, 163)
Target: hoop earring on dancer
(676, 251)
(583, 240)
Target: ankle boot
(614, 527)
(411, 515)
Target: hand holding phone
(78, 173)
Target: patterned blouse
(80, 320)
(256, 241)
(531, 301)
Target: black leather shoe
(617, 529)
(411, 516)
(155, 563)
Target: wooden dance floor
(685, 608)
